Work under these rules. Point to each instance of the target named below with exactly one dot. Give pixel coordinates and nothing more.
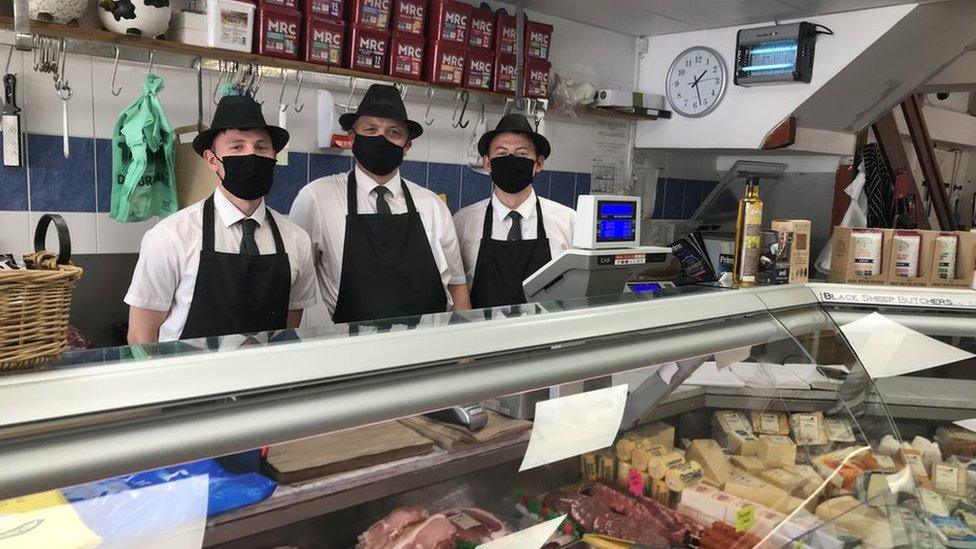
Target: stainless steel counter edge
(34, 397)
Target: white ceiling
(653, 17)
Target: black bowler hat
(518, 124)
(238, 112)
(385, 102)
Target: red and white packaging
(506, 75)
(333, 9)
(537, 78)
(289, 4)
(449, 20)
(505, 34)
(445, 63)
(481, 29)
(366, 50)
(279, 32)
(479, 69)
(407, 56)
(410, 16)
(370, 14)
(538, 39)
(324, 41)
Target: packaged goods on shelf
(839, 430)
(949, 479)
(406, 56)
(448, 21)
(733, 431)
(227, 24)
(506, 74)
(445, 63)
(479, 69)
(537, 78)
(505, 33)
(333, 9)
(799, 254)
(809, 429)
(767, 422)
(324, 41)
(367, 50)
(278, 32)
(481, 30)
(538, 40)
(907, 253)
(410, 16)
(370, 14)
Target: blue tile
(13, 188)
(542, 184)
(321, 165)
(562, 188)
(288, 180)
(103, 175)
(415, 172)
(582, 185)
(446, 179)
(659, 193)
(673, 199)
(692, 198)
(58, 183)
(475, 187)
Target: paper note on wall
(887, 349)
(611, 159)
(530, 538)
(569, 426)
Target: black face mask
(377, 154)
(511, 173)
(248, 177)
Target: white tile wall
(15, 237)
(114, 237)
(42, 107)
(81, 226)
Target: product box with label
(537, 78)
(406, 56)
(333, 9)
(910, 261)
(481, 30)
(449, 20)
(538, 39)
(506, 75)
(479, 70)
(279, 32)
(370, 14)
(799, 249)
(366, 50)
(505, 34)
(410, 16)
(287, 4)
(858, 256)
(445, 63)
(227, 24)
(953, 259)
(325, 39)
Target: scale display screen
(616, 221)
(638, 288)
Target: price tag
(745, 518)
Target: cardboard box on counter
(965, 261)
(848, 256)
(924, 260)
(799, 249)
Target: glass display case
(789, 416)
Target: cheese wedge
(748, 464)
(756, 490)
(732, 430)
(709, 456)
(776, 451)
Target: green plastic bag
(143, 159)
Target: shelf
(100, 43)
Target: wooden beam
(912, 109)
(893, 150)
(781, 136)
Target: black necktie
(381, 206)
(248, 244)
(515, 233)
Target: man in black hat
(511, 235)
(384, 247)
(227, 264)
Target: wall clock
(696, 82)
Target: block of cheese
(885, 463)
(625, 446)
(685, 475)
(913, 459)
(714, 463)
(732, 430)
(812, 481)
(756, 490)
(865, 522)
(770, 423)
(642, 454)
(788, 504)
(839, 430)
(748, 464)
(722, 501)
(956, 441)
(776, 451)
(933, 503)
(656, 434)
(809, 429)
(660, 491)
(843, 461)
(874, 489)
(658, 466)
(948, 479)
(623, 473)
(699, 499)
(781, 478)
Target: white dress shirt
(166, 274)
(556, 218)
(321, 208)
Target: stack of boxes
(444, 42)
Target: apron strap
(489, 222)
(351, 192)
(273, 225)
(540, 232)
(406, 195)
(490, 219)
(208, 225)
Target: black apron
(388, 268)
(238, 294)
(503, 265)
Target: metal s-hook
(220, 76)
(430, 100)
(508, 106)
(402, 89)
(115, 72)
(152, 61)
(461, 100)
(282, 107)
(298, 92)
(352, 92)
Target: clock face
(696, 82)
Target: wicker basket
(35, 303)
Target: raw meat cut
(385, 532)
(593, 515)
(649, 512)
(475, 525)
(434, 533)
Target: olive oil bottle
(748, 236)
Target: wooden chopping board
(455, 438)
(344, 451)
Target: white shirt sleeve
(450, 245)
(303, 288)
(304, 212)
(157, 273)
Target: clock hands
(695, 85)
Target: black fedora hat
(518, 124)
(385, 102)
(238, 112)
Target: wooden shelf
(191, 52)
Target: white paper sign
(530, 538)
(967, 424)
(569, 426)
(610, 160)
(887, 349)
(667, 371)
(725, 358)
